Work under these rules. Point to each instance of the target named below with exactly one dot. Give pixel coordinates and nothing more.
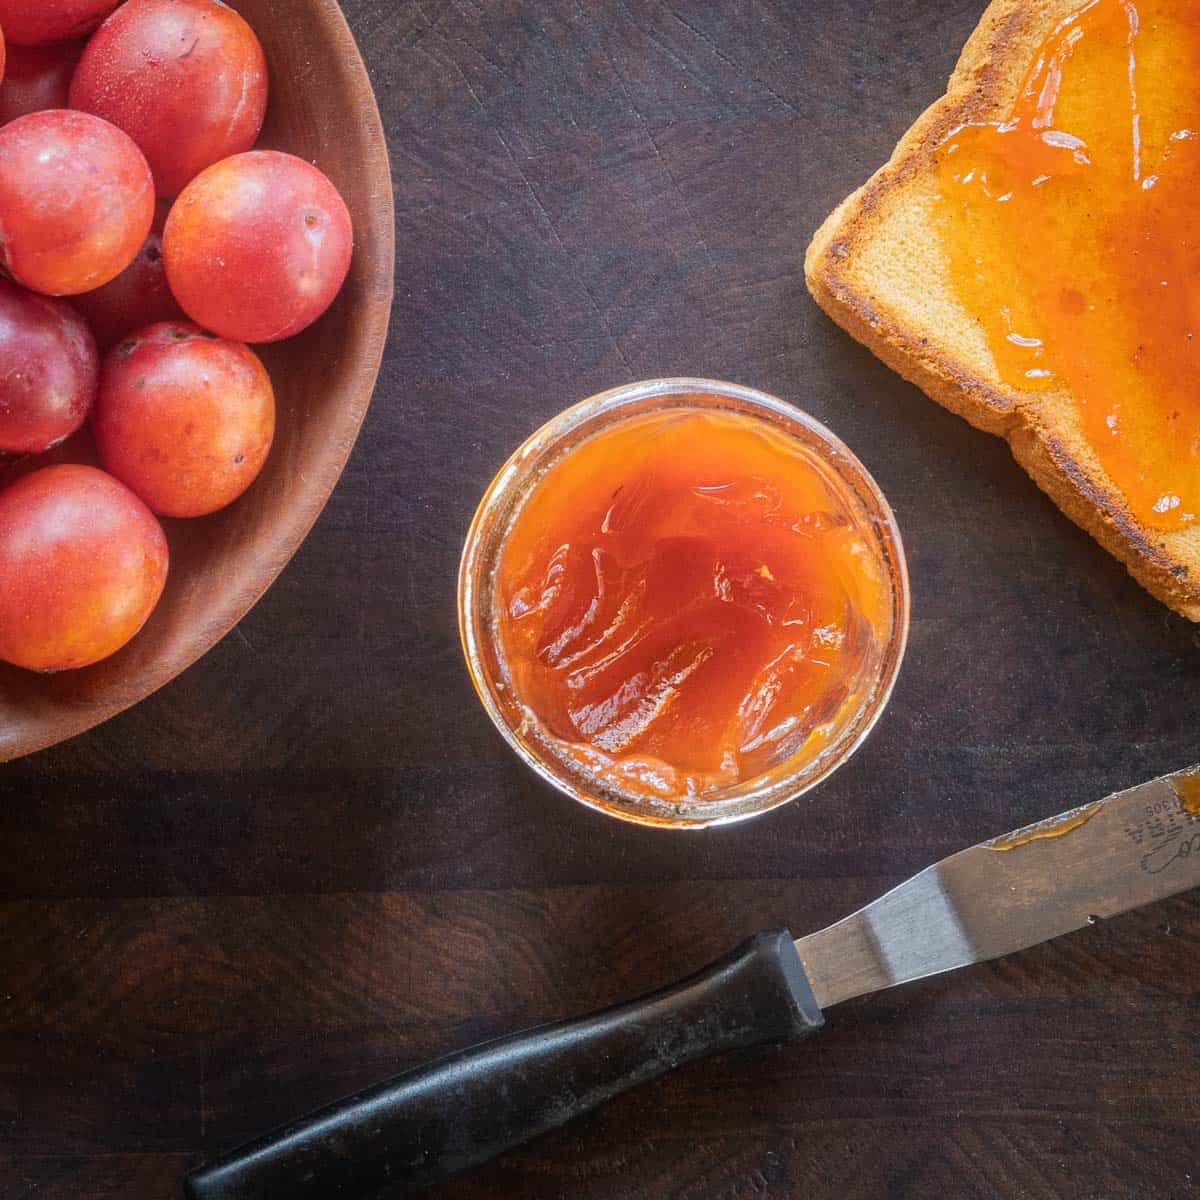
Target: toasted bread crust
(842, 267)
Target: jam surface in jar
(1072, 233)
(687, 599)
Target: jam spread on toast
(687, 599)
(1073, 231)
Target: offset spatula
(996, 898)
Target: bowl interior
(322, 109)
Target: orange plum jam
(687, 599)
(1072, 232)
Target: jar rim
(497, 511)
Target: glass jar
(500, 508)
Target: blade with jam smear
(1017, 890)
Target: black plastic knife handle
(439, 1118)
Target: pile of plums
(145, 242)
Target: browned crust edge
(1091, 502)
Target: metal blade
(1016, 891)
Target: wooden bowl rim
(278, 547)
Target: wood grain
(310, 861)
(322, 109)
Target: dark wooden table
(311, 862)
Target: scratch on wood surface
(645, 124)
(438, 208)
(666, 49)
(527, 184)
(729, 62)
(419, 35)
(462, 41)
(969, 1163)
(1017, 1157)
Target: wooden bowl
(321, 108)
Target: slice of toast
(877, 266)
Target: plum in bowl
(323, 110)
